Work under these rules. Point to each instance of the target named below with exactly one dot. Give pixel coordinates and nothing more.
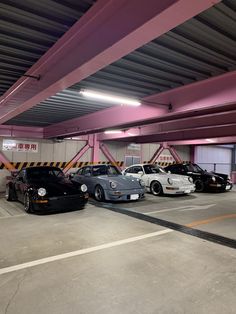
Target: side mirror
(71, 175)
(140, 172)
(87, 174)
(169, 172)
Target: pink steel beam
(82, 151)
(210, 141)
(21, 131)
(174, 153)
(103, 35)
(217, 119)
(94, 144)
(187, 134)
(6, 163)
(108, 155)
(209, 96)
(157, 154)
(101, 120)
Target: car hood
(123, 182)
(58, 188)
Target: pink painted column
(94, 144)
(6, 163)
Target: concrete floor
(100, 261)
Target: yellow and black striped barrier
(60, 164)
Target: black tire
(99, 193)
(9, 194)
(199, 186)
(156, 188)
(27, 204)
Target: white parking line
(182, 208)
(81, 252)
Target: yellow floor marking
(210, 220)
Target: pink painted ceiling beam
(190, 134)
(6, 163)
(204, 141)
(210, 96)
(103, 35)
(101, 120)
(210, 120)
(213, 94)
(21, 131)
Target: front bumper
(173, 189)
(221, 187)
(60, 203)
(124, 195)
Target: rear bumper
(60, 204)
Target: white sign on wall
(166, 158)
(19, 146)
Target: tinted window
(153, 169)
(193, 168)
(105, 170)
(37, 174)
(136, 169)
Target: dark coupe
(204, 180)
(46, 189)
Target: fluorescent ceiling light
(110, 98)
(210, 140)
(113, 132)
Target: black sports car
(204, 180)
(45, 189)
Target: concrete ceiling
(177, 57)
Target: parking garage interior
(119, 83)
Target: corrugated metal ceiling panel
(28, 29)
(200, 48)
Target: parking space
(101, 261)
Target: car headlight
(190, 179)
(84, 188)
(42, 192)
(170, 181)
(142, 183)
(113, 184)
(213, 179)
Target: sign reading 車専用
(19, 146)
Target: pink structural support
(174, 153)
(82, 151)
(21, 131)
(215, 96)
(157, 154)
(6, 163)
(179, 129)
(108, 155)
(94, 144)
(101, 36)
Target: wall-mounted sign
(167, 158)
(19, 146)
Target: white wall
(207, 156)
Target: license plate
(187, 191)
(134, 196)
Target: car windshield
(194, 168)
(149, 169)
(42, 174)
(105, 170)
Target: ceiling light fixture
(110, 98)
(113, 132)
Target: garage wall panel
(214, 158)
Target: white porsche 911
(158, 181)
